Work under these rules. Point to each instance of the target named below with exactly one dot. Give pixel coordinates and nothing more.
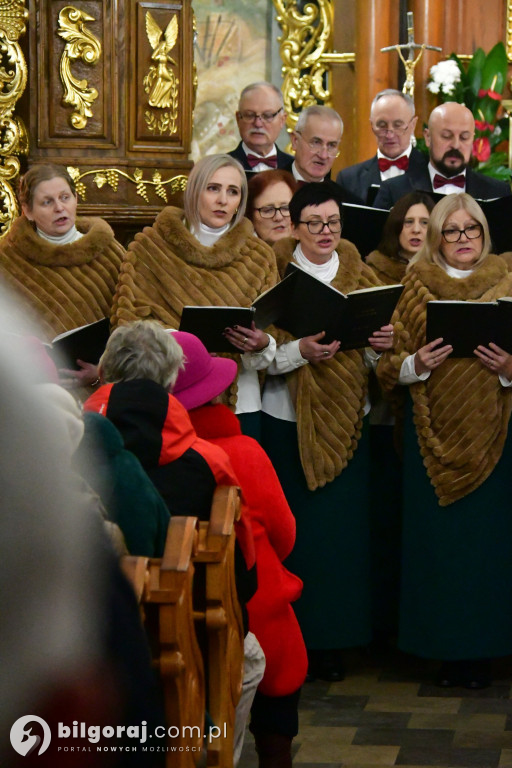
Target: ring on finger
(244, 342)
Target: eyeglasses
(317, 145)
(398, 128)
(269, 211)
(471, 232)
(315, 227)
(266, 117)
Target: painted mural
(231, 50)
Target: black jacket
(477, 185)
(358, 178)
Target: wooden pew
(223, 620)
(166, 584)
(194, 582)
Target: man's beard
(448, 170)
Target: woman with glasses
(315, 433)
(456, 601)
(206, 254)
(268, 204)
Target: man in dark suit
(393, 122)
(315, 140)
(449, 138)
(260, 118)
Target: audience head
(268, 202)
(47, 195)
(141, 350)
(203, 377)
(216, 192)
(316, 141)
(50, 567)
(406, 226)
(449, 137)
(457, 233)
(316, 215)
(260, 116)
(393, 121)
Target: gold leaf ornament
(80, 44)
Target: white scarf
(325, 272)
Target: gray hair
(198, 180)
(393, 92)
(261, 84)
(142, 350)
(321, 111)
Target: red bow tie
(400, 162)
(440, 181)
(256, 160)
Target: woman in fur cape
(456, 601)
(402, 237)
(313, 431)
(62, 271)
(205, 255)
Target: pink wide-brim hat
(204, 377)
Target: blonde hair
(431, 249)
(198, 180)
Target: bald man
(449, 138)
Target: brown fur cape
(62, 287)
(329, 397)
(461, 411)
(167, 268)
(389, 271)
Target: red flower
(480, 125)
(482, 149)
(490, 94)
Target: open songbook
(302, 305)
(466, 324)
(85, 343)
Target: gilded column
(13, 79)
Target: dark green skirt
(456, 600)
(332, 549)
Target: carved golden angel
(161, 82)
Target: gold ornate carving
(508, 30)
(305, 51)
(111, 176)
(13, 79)
(160, 82)
(80, 44)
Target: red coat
(271, 617)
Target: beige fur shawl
(461, 411)
(61, 287)
(166, 268)
(329, 397)
(389, 271)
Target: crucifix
(410, 62)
